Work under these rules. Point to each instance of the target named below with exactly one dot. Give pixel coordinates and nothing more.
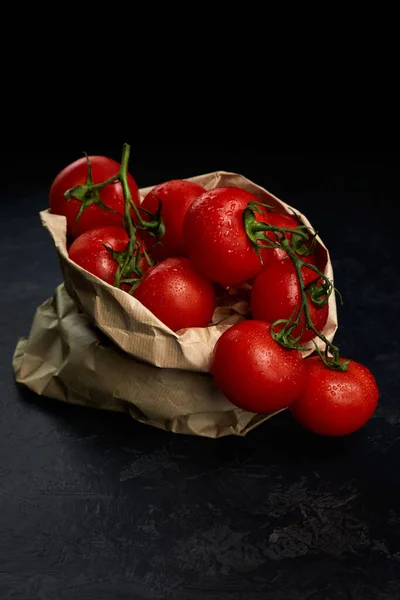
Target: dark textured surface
(96, 506)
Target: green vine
(319, 290)
(128, 260)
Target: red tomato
(335, 403)
(89, 252)
(308, 274)
(175, 196)
(76, 173)
(177, 294)
(289, 222)
(215, 237)
(255, 372)
(276, 295)
(283, 221)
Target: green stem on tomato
(123, 172)
(309, 323)
(132, 253)
(88, 193)
(256, 233)
(122, 176)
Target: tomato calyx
(319, 291)
(129, 271)
(303, 241)
(89, 193)
(333, 363)
(302, 247)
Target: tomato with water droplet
(93, 215)
(216, 239)
(175, 197)
(276, 295)
(253, 371)
(177, 294)
(333, 402)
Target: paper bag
(95, 345)
(65, 357)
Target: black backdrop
(97, 506)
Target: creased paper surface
(65, 357)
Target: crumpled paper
(67, 358)
(95, 345)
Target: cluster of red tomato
(183, 246)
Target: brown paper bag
(160, 377)
(65, 357)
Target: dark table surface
(96, 506)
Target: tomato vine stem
(318, 290)
(88, 193)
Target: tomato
(255, 372)
(276, 254)
(89, 252)
(335, 403)
(283, 221)
(175, 197)
(276, 295)
(93, 215)
(288, 222)
(177, 294)
(216, 239)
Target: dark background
(96, 506)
